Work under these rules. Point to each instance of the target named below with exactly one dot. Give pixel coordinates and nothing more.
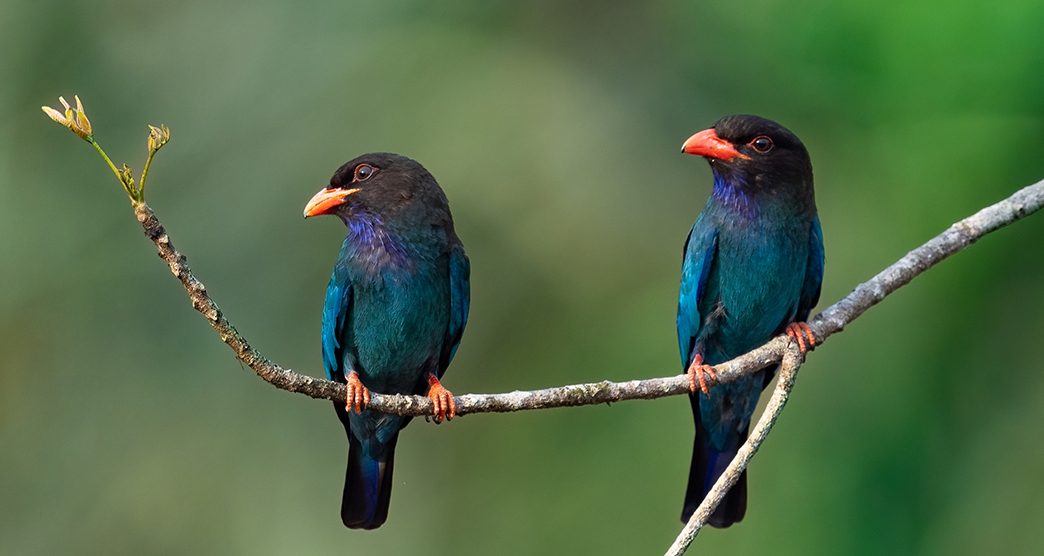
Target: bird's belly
(397, 331)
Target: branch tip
(75, 119)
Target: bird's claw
(703, 374)
(443, 404)
(802, 333)
(358, 395)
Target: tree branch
(833, 319)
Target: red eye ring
(363, 172)
(761, 143)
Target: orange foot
(445, 407)
(801, 332)
(358, 395)
(704, 374)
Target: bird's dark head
(386, 186)
(754, 154)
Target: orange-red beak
(324, 201)
(707, 143)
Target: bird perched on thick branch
(752, 269)
(395, 310)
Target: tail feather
(367, 486)
(707, 465)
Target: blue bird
(752, 269)
(395, 311)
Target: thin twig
(833, 319)
(792, 361)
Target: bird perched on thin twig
(752, 269)
(395, 311)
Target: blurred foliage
(126, 427)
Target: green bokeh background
(126, 427)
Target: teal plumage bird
(395, 311)
(752, 269)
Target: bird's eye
(761, 143)
(363, 172)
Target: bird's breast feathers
(760, 275)
(397, 325)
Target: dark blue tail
(367, 486)
(707, 465)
